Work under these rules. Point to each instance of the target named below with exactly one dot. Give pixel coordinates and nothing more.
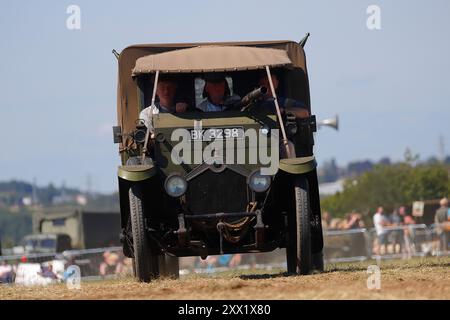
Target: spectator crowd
(397, 232)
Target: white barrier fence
(29, 269)
(393, 242)
(346, 245)
(340, 246)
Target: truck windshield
(37, 244)
(31, 243)
(48, 243)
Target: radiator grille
(212, 192)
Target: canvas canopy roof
(212, 58)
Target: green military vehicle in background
(57, 230)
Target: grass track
(400, 279)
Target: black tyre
(317, 261)
(134, 267)
(145, 263)
(298, 251)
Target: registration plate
(209, 134)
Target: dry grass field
(400, 279)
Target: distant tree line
(13, 226)
(390, 185)
(13, 192)
(329, 171)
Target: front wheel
(298, 251)
(145, 263)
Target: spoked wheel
(298, 251)
(145, 263)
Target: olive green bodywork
(136, 172)
(188, 224)
(165, 124)
(299, 165)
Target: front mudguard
(136, 173)
(298, 165)
(129, 175)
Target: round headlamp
(175, 185)
(139, 135)
(258, 182)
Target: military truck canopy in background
(87, 229)
(48, 243)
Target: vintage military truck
(232, 200)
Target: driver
(217, 93)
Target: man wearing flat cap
(217, 93)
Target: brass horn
(334, 123)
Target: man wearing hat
(286, 105)
(165, 91)
(217, 93)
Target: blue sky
(390, 87)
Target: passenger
(298, 109)
(217, 93)
(165, 91)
